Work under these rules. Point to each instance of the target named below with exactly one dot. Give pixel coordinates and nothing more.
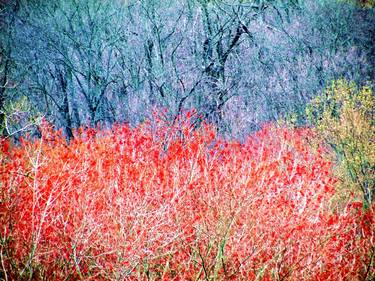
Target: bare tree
(239, 63)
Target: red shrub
(169, 202)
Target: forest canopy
(239, 63)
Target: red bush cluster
(168, 202)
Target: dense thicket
(162, 202)
(344, 117)
(240, 63)
(121, 194)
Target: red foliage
(168, 202)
